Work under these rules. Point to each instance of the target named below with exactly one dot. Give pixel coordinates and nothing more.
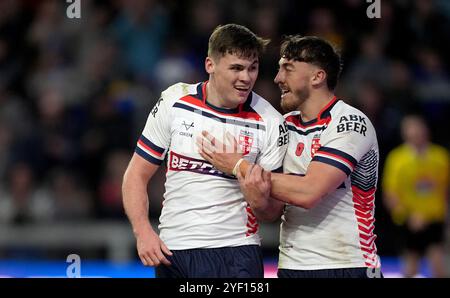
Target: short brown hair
(235, 39)
(314, 50)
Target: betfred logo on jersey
(178, 162)
(315, 145)
(246, 141)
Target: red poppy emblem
(299, 150)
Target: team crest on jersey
(246, 141)
(315, 145)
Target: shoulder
(291, 115)
(350, 119)
(178, 90)
(264, 109)
(343, 110)
(440, 151)
(399, 152)
(400, 156)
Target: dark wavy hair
(235, 39)
(314, 50)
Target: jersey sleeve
(277, 139)
(345, 142)
(155, 138)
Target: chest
(302, 147)
(186, 128)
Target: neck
(214, 98)
(315, 103)
(419, 147)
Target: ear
(319, 77)
(209, 65)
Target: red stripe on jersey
(367, 238)
(367, 223)
(367, 231)
(369, 250)
(364, 215)
(347, 162)
(332, 101)
(142, 144)
(242, 114)
(363, 193)
(252, 223)
(295, 119)
(363, 204)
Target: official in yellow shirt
(415, 186)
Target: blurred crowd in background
(75, 93)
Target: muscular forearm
(285, 188)
(294, 190)
(135, 201)
(269, 211)
(307, 191)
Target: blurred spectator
(140, 30)
(72, 202)
(13, 26)
(174, 66)
(400, 88)
(110, 189)
(432, 88)
(429, 26)
(201, 16)
(432, 79)
(371, 100)
(15, 124)
(370, 65)
(323, 24)
(21, 201)
(416, 184)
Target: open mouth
(242, 89)
(284, 91)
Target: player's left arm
(307, 191)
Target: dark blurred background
(75, 94)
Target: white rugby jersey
(203, 207)
(338, 231)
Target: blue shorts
(225, 262)
(362, 272)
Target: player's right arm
(151, 249)
(150, 152)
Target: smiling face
(295, 80)
(232, 78)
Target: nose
(277, 79)
(244, 76)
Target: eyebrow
(241, 65)
(287, 64)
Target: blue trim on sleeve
(148, 157)
(339, 153)
(151, 145)
(333, 163)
